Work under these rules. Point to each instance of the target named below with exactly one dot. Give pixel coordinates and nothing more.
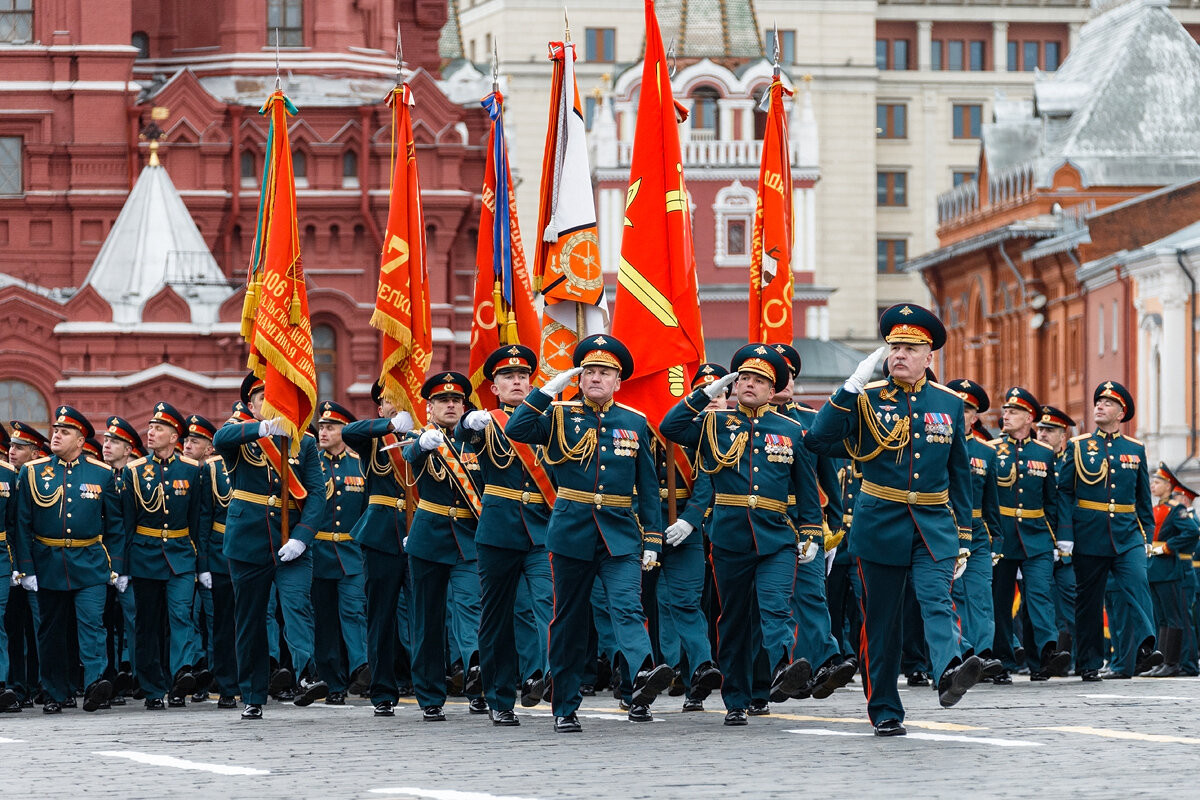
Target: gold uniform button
(524, 497)
(752, 501)
(916, 436)
(916, 455)
(912, 497)
(916, 475)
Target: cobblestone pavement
(1059, 739)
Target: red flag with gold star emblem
(402, 300)
(771, 281)
(657, 309)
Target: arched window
(350, 170)
(141, 40)
(325, 357)
(248, 170)
(20, 400)
(705, 119)
(300, 169)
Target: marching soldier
(70, 546)
(842, 587)
(218, 598)
(1029, 516)
(380, 532)
(810, 611)
(121, 444)
(338, 596)
(25, 444)
(510, 540)
(1104, 512)
(1053, 429)
(600, 456)
(972, 590)
(756, 460)
(914, 503)
(1175, 536)
(254, 536)
(9, 700)
(681, 578)
(164, 497)
(441, 547)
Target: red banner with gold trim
(772, 284)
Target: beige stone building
(899, 90)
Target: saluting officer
(338, 597)
(1175, 536)
(380, 532)
(972, 590)
(70, 546)
(441, 548)
(1105, 511)
(757, 461)
(600, 455)
(1029, 516)
(253, 453)
(510, 540)
(909, 435)
(810, 611)
(217, 600)
(165, 495)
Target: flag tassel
(294, 312)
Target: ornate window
(20, 400)
(10, 165)
(350, 170)
(734, 213)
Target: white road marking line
(1171, 697)
(170, 761)
(613, 717)
(9, 741)
(934, 737)
(445, 794)
(1108, 733)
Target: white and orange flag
(402, 300)
(566, 265)
(772, 283)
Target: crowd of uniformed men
(888, 533)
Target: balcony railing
(713, 153)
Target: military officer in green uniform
(164, 497)
(1028, 518)
(25, 444)
(69, 547)
(600, 455)
(510, 539)
(810, 611)
(757, 462)
(217, 600)
(254, 535)
(1175, 536)
(1053, 429)
(9, 699)
(121, 444)
(972, 590)
(338, 598)
(914, 504)
(1105, 514)
(441, 547)
(380, 532)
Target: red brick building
(158, 317)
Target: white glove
(15, 580)
(806, 551)
(677, 531)
(431, 439)
(560, 381)
(996, 558)
(402, 422)
(1057, 555)
(863, 372)
(718, 386)
(649, 559)
(477, 420)
(1066, 547)
(829, 556)
(270, 427)
(404, 543)
(1149, 552)
(960, 562)
(29, 583)
(1020, 576)
(122, 583)
(292, 549)
(205, 579)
